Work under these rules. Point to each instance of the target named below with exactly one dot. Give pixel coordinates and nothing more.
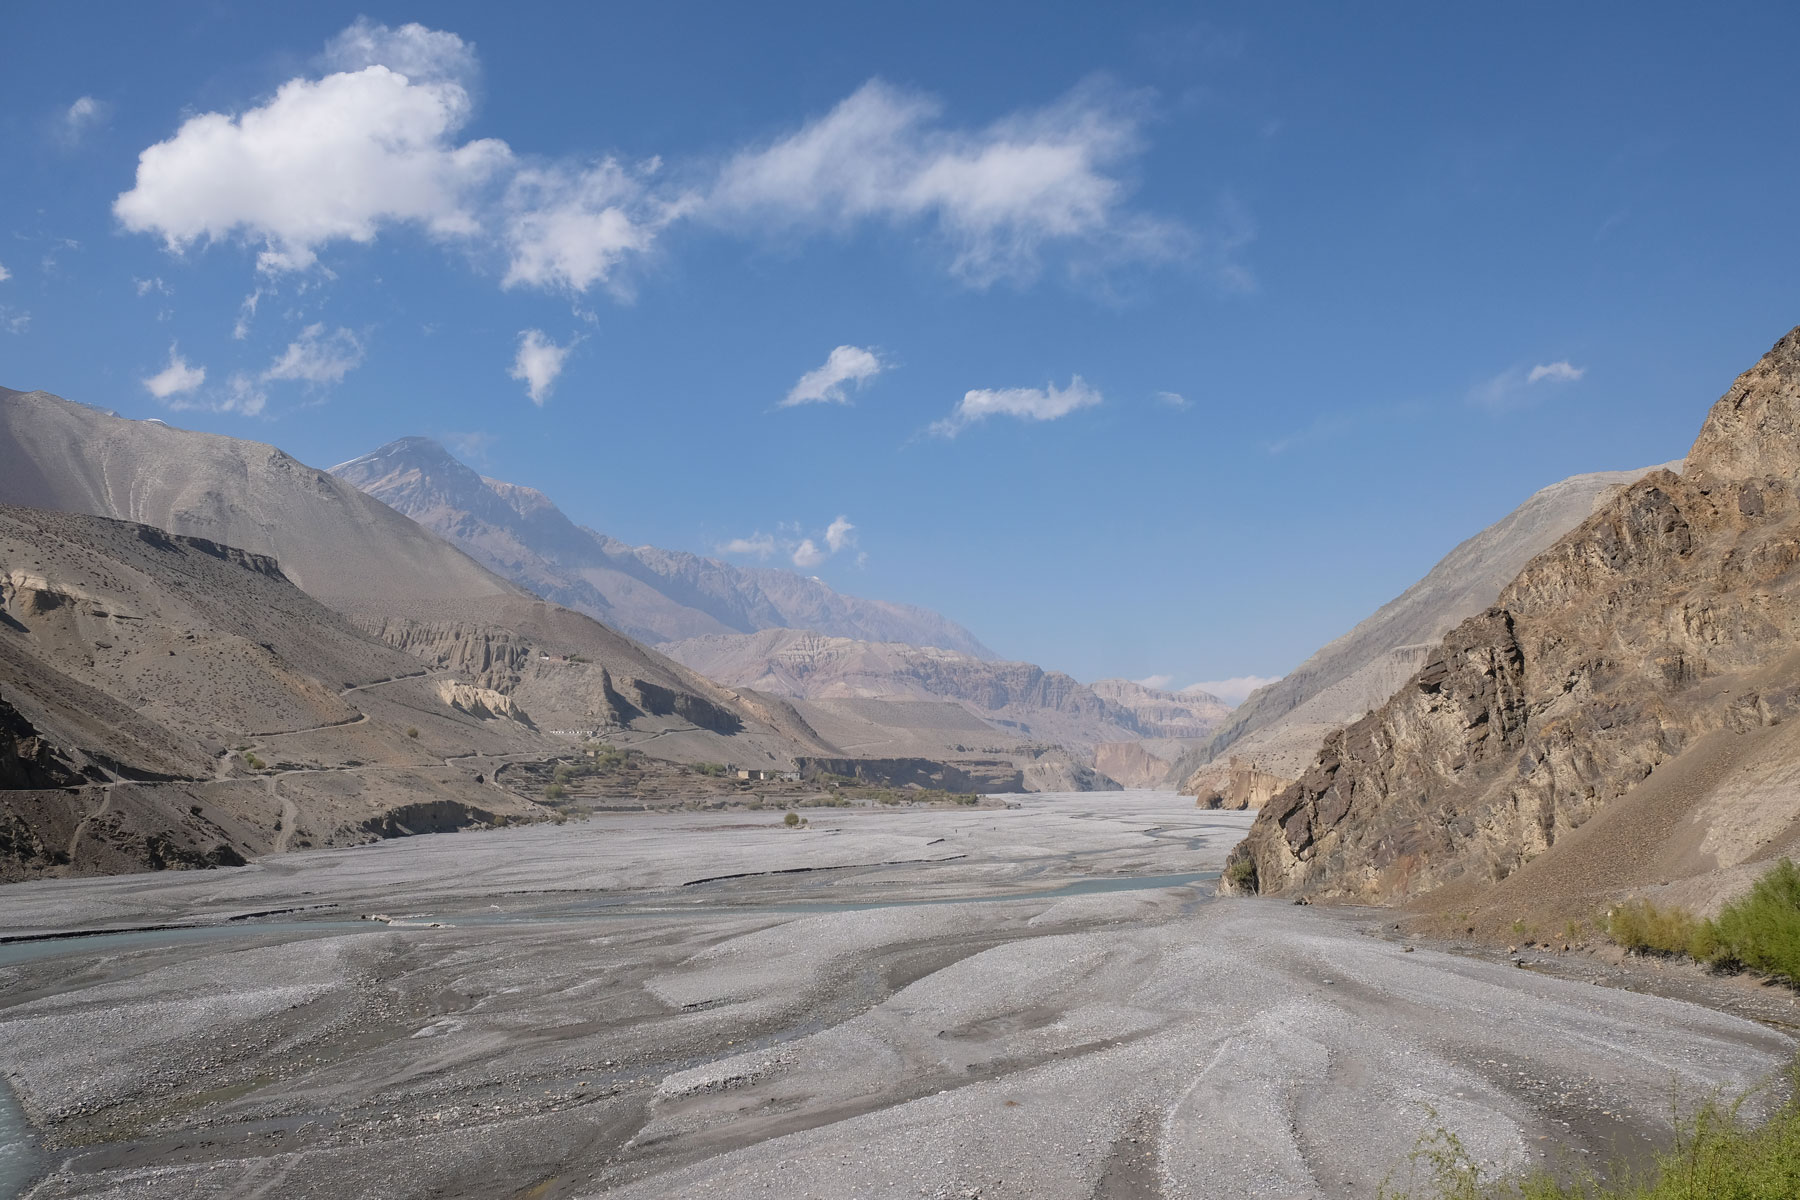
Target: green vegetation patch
(1718, 1155)
(1760, 932)
(1241, 873)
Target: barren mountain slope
(1024, 699)
(656, 595)
(170, 701)
(1280, 727)
(1620, 719)
(389, 574)
(330, 539)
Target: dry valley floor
(1039, 1001)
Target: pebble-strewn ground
(580, 1023)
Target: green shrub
(555, 791)
(792, 820)
(1640, 925)
(412, 731)
(1717, 1155)
(1762, 931)
(714, 769)
(1241, 873)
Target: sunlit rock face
(1659, 630)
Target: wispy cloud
(175, 379)
(757, 545)
(574, 227)
(84, 114)
(317, 357)
(1559, 372)
(240, 328)
(6, 275)
(538, 363)
(804, 550)
(1155, 683)
(1027, 404)
(845, 367)
(997, 198)
(241, 394)
(1235, 690)
(471, 447)
(1516, 386)
(1173, 400)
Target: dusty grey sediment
(584, 1023)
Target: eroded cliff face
(1236, 784)
(1653, 624)
(522, 676)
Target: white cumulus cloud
(840, 533)
(327, 159)
(412, 50)
(175, 379)
(845, 367)
(1233, 691)
(1027, 404)
(996, 196)
(1556, 372)
(807, 554)
(1155, 683)
(538, 363)
(317, 357)
(574, 227)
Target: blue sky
(1145, 341)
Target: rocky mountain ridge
(650, 594)
(1619, 720)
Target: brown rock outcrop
(1663, 621)
(1242, 784)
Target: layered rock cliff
(1243, 784)
(1663, 625)
(1282, 726)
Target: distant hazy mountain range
(768, 629)
(1023, 698)
(653, 595)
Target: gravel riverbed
(1040, 1001)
